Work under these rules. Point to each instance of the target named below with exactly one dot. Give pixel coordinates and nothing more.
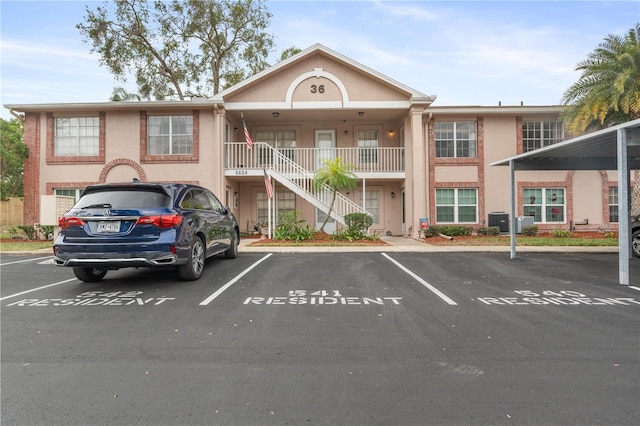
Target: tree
(180, 48)
(338, 177)
(13, 152)
(231, 38)
(608, 91)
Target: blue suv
(141, 224)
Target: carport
(614, 148)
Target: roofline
(112, 105)
(416, 96)
(496, 110)
(577, 139)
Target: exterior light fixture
(361, 113)
(275, 114)
(393, 194)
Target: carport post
(623, 208)
(512, 228)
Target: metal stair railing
(300, 181)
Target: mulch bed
(319, 239)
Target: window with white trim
(368, 146)
(457, 205)
(77, 136)
(545, 205)
(282, 140)
(457, 139)
(69, 192)
(538, 134)
(170, 135)
(372, 204)
(613, 204)
(285, 202)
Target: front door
(325, 150)
(325, 146)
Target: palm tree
(336, 175)
(608, 91)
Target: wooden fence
(11, 211)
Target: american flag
(267, 184)
(247, 136)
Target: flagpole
(269, 214)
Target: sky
(463, 52)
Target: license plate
(109, 226)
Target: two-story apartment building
(414, 160)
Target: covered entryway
(615, 148)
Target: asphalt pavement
(406, 334)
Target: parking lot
(325, 338)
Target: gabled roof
(416, 96)
(593, 151)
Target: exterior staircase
(300, 181)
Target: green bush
(359, 221)
(489, 231)
(47, 231)
(357, 227)
(456, 230)
(29, 230)
(449, 230)
(291, 227)
(431, 231)
(560, 233)
(530, 231)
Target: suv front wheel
(635, 243)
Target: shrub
(560, 233)
(357, 226)
(359, 221)
(456, 230)
(530, 231)
(431, 231)
(291, 227)
(47, 231)
(489, 230)
(29, 231)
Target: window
(456, 139)
(545, 205)
(282, 140)
(538, 134)
(613, 204)
(368, 146)
(196, 199)
(285, 202)
(457, 205)
(170, 135)
(372, 204)
(69, 192)
(77, 136)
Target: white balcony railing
(369, 160)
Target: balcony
(382, 163)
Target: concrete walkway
(407, 244)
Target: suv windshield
(119, 199)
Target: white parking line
(438, 293)
(230, 283)
(634, 287)
(26, 260)
(36, 289)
